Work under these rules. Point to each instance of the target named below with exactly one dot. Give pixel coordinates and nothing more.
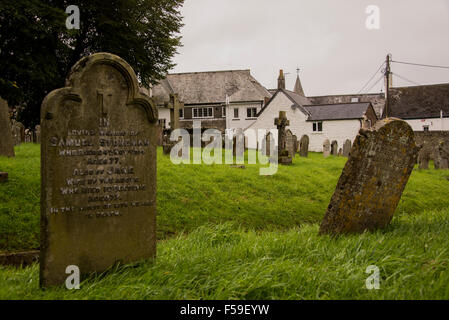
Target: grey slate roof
(210, 87)
(343, 111)
(419, 102)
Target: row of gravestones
(440, 154)
(331, 148)
(98, 210)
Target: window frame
(238, 113)
(200, 115)
(252, 115)
(317, 126)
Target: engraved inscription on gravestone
(98, 201)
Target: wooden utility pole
(387, 85)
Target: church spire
(298, 87)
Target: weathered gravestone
(334, 148)
(444, 154)
(98, 202)
(6, 138)
(295, 145)
(18, 132)
(37, 134)
(269, 142)
(340, 152)
(289, 144)
(347, 148)
(281, 123)
(326, 148)
(423, 159)
(304, 146)
(373, 179)
(28, 136)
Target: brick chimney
(281, 80)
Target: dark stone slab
(304, 146)
(6, 137)
(98, 168)
(18, 259)
(373, 179)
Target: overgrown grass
(229, 233)
(193, 195)
(225, 262)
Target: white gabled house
(331, 122)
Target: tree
(37, 50)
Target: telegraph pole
(387, 84)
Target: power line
(371, 77)
(421, 65)
(403, 78)
(381, 78)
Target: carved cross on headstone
(281, 123)
(104, 97)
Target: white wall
(164, 113)
(243, 121)
(339, 130)
(434, 124)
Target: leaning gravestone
(326, 148)
(6, 138)
(98, 202)
(373, 179)
(347, 148)
(304, 146)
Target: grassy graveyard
(229, 233)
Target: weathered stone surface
(37, 134)
(269, 141)
(289, 144)
(6, 138)
(15, 128)
(347, 148)
(295, 145)
(284, 157)
(28, 136)
(3, 177)
(373, 179)
(98, 168)
(304, 146)
(19, 259)
(334, 148)
(326, 148)
(340, 152)
(444, 155)
(423, 159)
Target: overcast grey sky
(327, 39)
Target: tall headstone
(6, 138)
(304, 146)
(444, 154)
(37, 134)
(269, 141)
(15, 128)
(334, 148)
(326, 148)
(28, 136)
(281, 123)
(347, 148)
(98, 168)
(289, 144)
(373, 179)
(295, 145)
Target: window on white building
(236, 113)
(354, 100)
(203, 112)
(317, 127)
(426, 128)
(223, 112)
(181, 113)
(251, 112)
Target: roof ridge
(336, 104)
(215, 71)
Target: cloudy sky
(327, 39)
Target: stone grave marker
(98, 168)
(281, 123)
(326, 148)
(6, 137)
(423, 159)
(444, 154)
(269, 140)
(295, 145)
(289, 144)
(304, 146)
(334, 148)
(340, 152)
(37, 134)
(373, 179)
(347, 148)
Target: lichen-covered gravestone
(373, 179)
(281, 123)
(326, 148)
(444, 155)
(98, 202)
(6, 138)
(304, 146)
(334, 148)
(289, 143)
(423, 159)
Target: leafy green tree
(37, 50)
